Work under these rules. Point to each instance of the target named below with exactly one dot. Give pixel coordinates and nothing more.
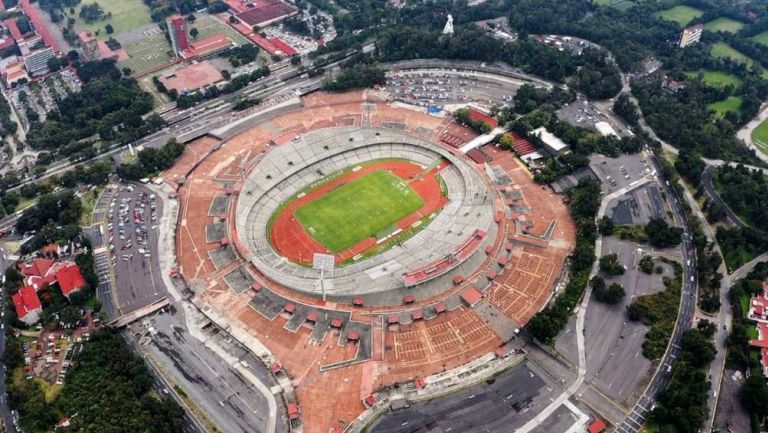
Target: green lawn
(603, 2)
(680, 14)
(760, 137)
(731, 103)
(126, 15)
(761, 38)
(207, 25)
(723, 50)
(723, 24)
(717, 79)
(147, 53)
(358, 210)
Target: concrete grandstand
(451, 294)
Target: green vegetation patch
(731, 103)
(207, 25)
(760, 137)
(125, 15)
(761, 38)
(357, 210)
(723, 24)
(716, 79)
(680, 14)
(722, 50)
(658, 311)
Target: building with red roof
(266, 12)
(206, 47)
(286, 49)
(761, 342)
(38, 25)
(14, 72)
(95, 49)
(28, 306)
(70, 279)
(177, 30)
(13, 29)
(758, 306)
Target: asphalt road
(5, 408)
(636, 418)
(499, 406)
(234, 404)
(709, 188)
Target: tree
(754, 395)
(609, 264)
(626, 109)
(225, 74)
(660, 234)
(194, 32)
(73, 56)
(646, 264)
(605, 226)
(233, 19)
(699, 346)
(109, 29)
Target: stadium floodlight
(323, 262)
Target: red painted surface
(291, 241)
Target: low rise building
(551, 142)
(27, 305)
(206, 47)
(94, 49)
(15, 73)
(606, 130)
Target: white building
(691, 35)
(605, 129)
(553, 144)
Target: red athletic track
(292, 242)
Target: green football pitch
(357, 210)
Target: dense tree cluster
(241, 55)
(682, 406)
(151, 160)
(662, 235)
(745, 191)
(355, 77)
(690, 166)
(597, 77)
(107, 387)
(626, 109)
(585, 199)
(608, 294)
(739, 245)
(610, 264)
(108, 105)
(463, 116)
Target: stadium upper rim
(290, 167)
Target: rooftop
(25, 301)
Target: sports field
(149, 52)
(723, 24)
(358, 210)
(207, 25)
(761, 38)
(760, 137)
(126, 15)
(717, 79)
(680, 14)
(731, 103)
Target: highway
(636, 418)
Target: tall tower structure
(448, 29)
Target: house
(70, 279)
(27, 304)
(41, 273)
(758, 306)
(761, 342)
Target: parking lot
(132, 232)
(438, 87)
(585, 113)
